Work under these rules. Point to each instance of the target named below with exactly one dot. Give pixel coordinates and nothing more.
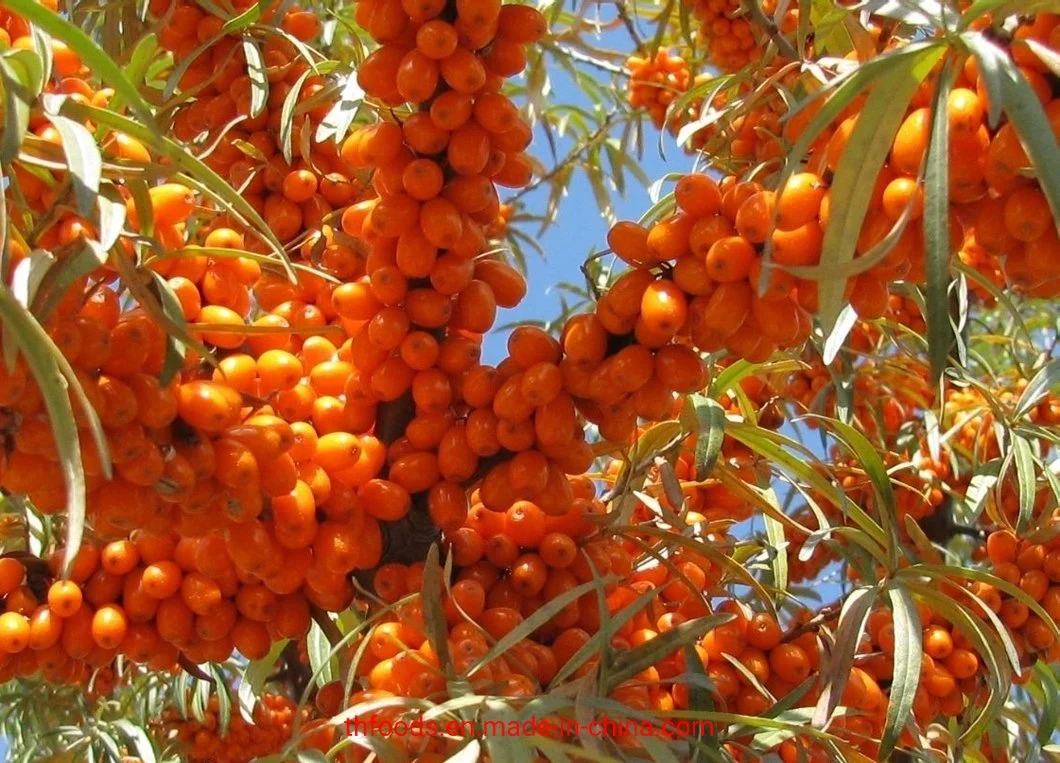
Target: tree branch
(584, 58)
(597, 134)
(756, 15)
(627, 21)
(830, 612)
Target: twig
(193, 670)
(585, 58)
(327, 625)
(620, 8)
(597, 134)
(784, 47)
(828, 613)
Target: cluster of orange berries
(750, 137)
(656, 81)
(951, 674)
(731, 40)
(885, 392)
(1000, 220)
(1035, 569)
(700, 272)
(151, 598)
(203, 741)
(264, 464)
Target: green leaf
(136, 70)
(826, 21)
(224, 699)
(741, 369)
(311, 756)
(29, 275)
(1051, 711)
(711, 418)
(997, 669)
(699, 699)
(176, 344)
(1024, 111)
(862, 160)
(91, 55)
(844, 322)
(1045, 381)
(88, 257)
(535, 621)
(1024, 460)
(937, 234)
(852, 619)
(243, 20)
(82, 154)
(597, 642)
(630, 662)
(287, 117)
(869, 459)
(321, 661)
(22, 77)
(1000, 9)
(254, 678)
(336, 123)
(941, 572)
(112, 214)
(437, 631)
(137, 738)
(777, 540)
(259, 80)
(908, 641)
(140, 60)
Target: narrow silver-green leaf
(937, 234)
(432, 608)
(1045, 381)
(869, 459)
(259, 80)
(336, 123)
(908, 643)
(1023, 457)
(1051, 710)
(837, 337)
(287, 117)
(631, 662)
(80, 262)
(852, 619)
(199, 175)
(137, 739)
(864, 157)
(710, 435)
(535, 621)
(243, 20)
(254, 677)
(778, 541)
(21, 79)
(82, 154)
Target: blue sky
(580, 228)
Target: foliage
(785, 462)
